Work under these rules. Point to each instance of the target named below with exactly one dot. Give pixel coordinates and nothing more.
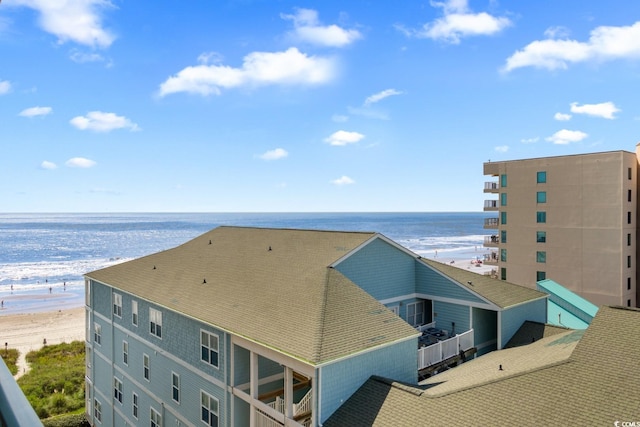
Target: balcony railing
(491, 258)
(15, 409)
(490, 187)
(490, 205)
(443, 350)
(491, 222)
(493, 240)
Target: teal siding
(433, 283)
(513, 318)
(485, 328)
(340, 380)
(381, 270)
(445, 314)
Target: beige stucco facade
(572, 219)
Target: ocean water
(43, 256)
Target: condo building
(572, 219)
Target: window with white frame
(134, 313)
(175, 387)
(125, 352)
(134, 405)
(155, 322)
(415, 313)
(97, 410)
(146, 371)
(117, 305)
(117, 389)
(209, 409)
(97, 333)
(156, 418)
(395, 309)
(209, 348)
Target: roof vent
(269, 247)
(470, 283)
(204, 281)
(209, 241)
(154, 267)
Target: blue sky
(268, 106)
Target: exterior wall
(176, 352)
(430, 282)
(587, 210)
(381, 270)
(512, 318)
(485, 327)
(338, 381)
(446, 314)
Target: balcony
(444, 349)
(491, 187)
(491, 205)
(492, 241)
(15, 409)
(491, 258)
(491, 222)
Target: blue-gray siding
(431, 282)
(446, 314)
(514, 317)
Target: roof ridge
(323, 314)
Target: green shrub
(10, 357)
(72, 420)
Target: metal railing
(491, 204)
(491, 185)
(491, 222)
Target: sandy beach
(28, 331)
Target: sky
(280, 106)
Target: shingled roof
(502, 293)
(596, 384)
(271, 286)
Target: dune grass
(10, 357)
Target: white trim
(176, 375)
(499, 338)
(209, 333)
(376, 236)
(489, 306)
(304, 368)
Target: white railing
(423, 328)
(304, 405)
(263, 420)
(445, 349)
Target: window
(628, 217)
(415, 313)
(117, 305)
(628, 195)
(503, 180)
(628, 283)
(503, 255)
(503, 236)
(628, 239)
(629, 173)
(628, 303)
(97, 333)
(541, 197)
(117, 389)
(395, 309)
(628, 261)
(97, 410)
(541, 177)
(175, 387)
(541, 217)
(209, 348)
(145, 367)
(541, 236)
(503, 199)
(503, 273)
(541, 256)
(209, 409)
(503, 218)
(540, 275)
(156, 418)
(134, 313)
(134, 406)
(125, 352)
(155, 322)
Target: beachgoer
(50, 289)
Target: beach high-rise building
(572, 219)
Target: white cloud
(564, 136)
(368, 113)
(530, 140)
(376, 97)
(339, 118)
(343, 137)
(605, 110)
(458, 22)
(35, 111)
(502, 148)
(99, 121)
(209, 58)
(83, 57)
(80, 162)
(5, 86)
(308, 29)
(562, 117)
(258, 68)
(604, 44)
(79, 21)
(278, 153)
(48, 165)
(343, 180)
